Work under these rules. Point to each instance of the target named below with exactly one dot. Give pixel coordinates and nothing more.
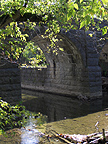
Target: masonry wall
(60, 81)
(66, 81)
(10, 84)
(74, 71)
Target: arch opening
(66, 71)
(33, 56)
(63, 74)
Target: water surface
(58, 107)
(65, 115)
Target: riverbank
(90, 122)
(82, 125)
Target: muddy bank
(11, 137)
(80, 125)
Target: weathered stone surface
(74, 71)
(10, 83)
(64, 84)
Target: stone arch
(66, 60)
(74, 71)
(70, 38)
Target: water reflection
(66, 111)
(60, 107)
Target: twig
(95, 141)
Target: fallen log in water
(93, 138)
(99, 138)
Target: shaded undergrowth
(11, 116)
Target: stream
(29, 134)
(62, 114)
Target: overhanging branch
(17, 17)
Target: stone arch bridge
(72, 72)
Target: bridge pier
(10, 84)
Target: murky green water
(59, 107)
(65, 115)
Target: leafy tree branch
(76, 14)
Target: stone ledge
(66, 93)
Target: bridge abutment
(73, 71)
(10, 83)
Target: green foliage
(33, 56)
(55, 14)
(11, 116)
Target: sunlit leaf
(82, 24)
(76, 6)
(81, 1)
(104, 30)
